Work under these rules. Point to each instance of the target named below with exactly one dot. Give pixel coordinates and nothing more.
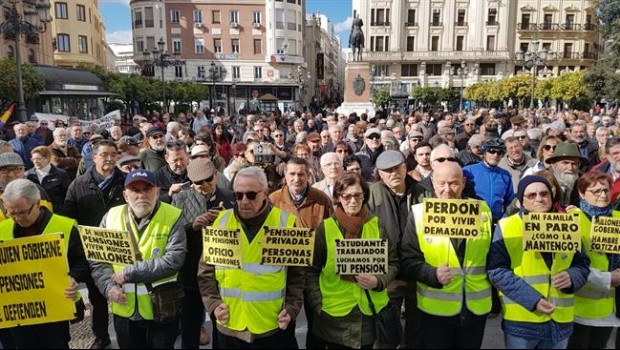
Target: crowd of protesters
(345, 176)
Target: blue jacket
(23, 148)
(491, 184)
(501, 274)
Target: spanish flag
(6, 115)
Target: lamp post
(234, 92)
(534, 59)
(462, 72)
(160, 59)
(214, 75)
(17, 24)
(301, 81)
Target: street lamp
(160, 59)
(534, 59)
(462, 72)
(17, 24)
(214, 75)
(234, 92)
(301, 81)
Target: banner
(221, 247)
(454, 218)
(104, 122)
(287, 246)
(108, 246)
(551, 232)
(361, 256)
(605, 235)
(34, 273)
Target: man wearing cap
(172, 178)
(89, 197)
(587, 148)
(517, 123)
(64, 156)
(158, 231)
(153, 156)
(391, 199)
(473, 153)
(515, 161)
(133, 145)
(414, 138)
(200, 205)
(565, 163)
(128, 164)
(453, 291)
(370, 151)
(86, 163)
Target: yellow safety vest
(152, 244)
(254, 293)
(56, 224)
(589, 302)
(340, 297)
(531, 267)
(448, 301)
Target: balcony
(549, 26)
(411, 24)
(434, 56)
(589, 27)
(379, 23)
(460, 24)
(589, 55)
(569, 55)
(436, 24)
(527, 26)
(492, 23)
(570, 26)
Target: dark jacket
(467, 157)
(24, 148)
(367, 161)
(152, 159)
(87, 203)
(310, 212)
(56, 184)
(166, 178)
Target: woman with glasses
(595, 303)
(343, 317)
(545, 150)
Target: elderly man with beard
(565, 164)
(160, 230)
(611, 166)
(587, 149)
(172, 178)
(153, 156)
(515, 160)
(64, 156)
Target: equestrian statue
(356, 40)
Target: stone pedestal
(357, 89)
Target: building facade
(124, 59)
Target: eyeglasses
(43, 124)
(416, 139)
(521, 137)
(342, 151)
(251, 195)
(549, 147)
(599, 191)
(107, 155)
(11, 169)
(21, 213)
(532, 196)
(443, 159)
(207, 180)
(348, 196)
(374, 137)
(157, 136)
(278, 135)
(495, 151)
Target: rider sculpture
(356, 40)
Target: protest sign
(605, 235)
(454, 218)
(551, 232)
(34, 273)
(221, 247)
(104, 122)
(287, 246)
(361, 256)
(108, 246)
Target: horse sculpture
(356, 40)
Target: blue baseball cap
(140, 175)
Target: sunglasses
(175, 144)
(374, 137)
(251, 195)
(532, 196)
(348, 196)
(549, 147)
(521, 137)
(207, 180)
(443, 159)
(157, 136)
(495, 151)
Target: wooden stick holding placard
(107, 246)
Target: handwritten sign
(221, 247)
(455, 218)
(108, 246)
(361, 256)
(551, 232)
(34, 273)
(287, 246)
(605, 235)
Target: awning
(71, 81)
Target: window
(487, 68)
(381, 70)
(548, 18)
(199, 45)
(380, 17)
(236, 72)
(409, 70)
(175, 16)
(411, 17)
(197, 16)
(258, 72)
(234, 43)
(178, 71)
(63, 43)
(436, 19)
(258, 46)
(490, 42)
(215, 17)
(435, 43)
(176, 46)
(279, 19)
(137, 19)
(256, 17)
(201, 72)
(568, 50)
(381, 43)
(459, 43)
(234, 16)
(434, 69)
(570, 22)
(492, 17)
(61, 10)
(546, 46)
(523, 47)
(83, 43)
(410, 43)
(525, 21)
(217, 45)
(149, 20)
(291, 23)
(460, 18)
(81, 13)
(150, 43)
(139, 46)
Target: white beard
(566, 180)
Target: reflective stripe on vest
(470, 280)
(152, 244)
(594, 303)
(531, 267)
(254, 293)
(340, 296)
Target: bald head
(448, 180)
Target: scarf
(351, 228)
(593, 211)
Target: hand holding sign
(367, 281)
(545, 307)
(561, 280)
(72, 290)
(444, 275)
